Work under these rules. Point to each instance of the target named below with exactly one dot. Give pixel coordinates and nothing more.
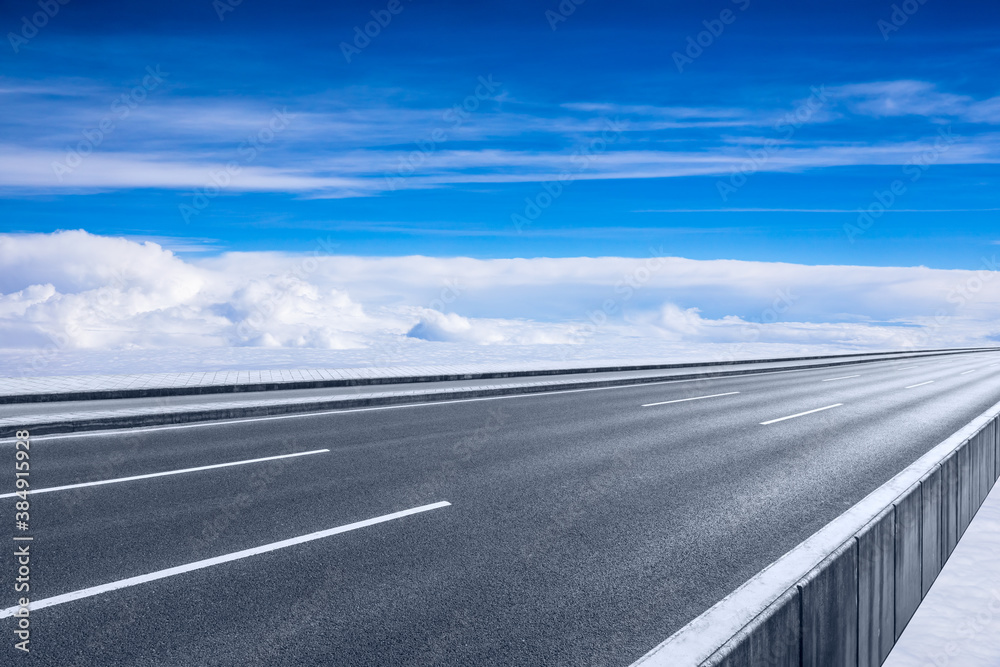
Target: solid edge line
(125, 430)
(208, 562)
(846, 377)
(117, 480)
(913, 386)
(693, 398)
(801, 414)
(699, 639)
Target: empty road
(567, 528)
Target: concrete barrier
(931, 537)
(111, 417)
(376, 377)
(877, 589)
(844, 596)
(909, 580)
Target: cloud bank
(72, 290)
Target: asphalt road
(583, 528)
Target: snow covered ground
(958, 623)
(391, 351)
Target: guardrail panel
(909, 584)
(772, 639)
(830, 610)
(930, 529)
(876, 589)
(965, 510)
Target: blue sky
(820, 106)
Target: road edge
(191, 414)
(844, 595)
(251, 387)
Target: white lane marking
(920, 385)
(218, 560)
(693, 398)
(801, 414)
(967, 372)
(164, 474)
(846, 377)
(334, 411)
(904, 368)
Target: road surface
(581, 527)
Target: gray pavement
(583, 528)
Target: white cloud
(915, 98)
(453, 328)
(74, 290)
(347, 145)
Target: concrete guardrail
(844, 596)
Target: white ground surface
(958, 623)
(392, 352)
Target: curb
(152, 392)
(262, 409)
